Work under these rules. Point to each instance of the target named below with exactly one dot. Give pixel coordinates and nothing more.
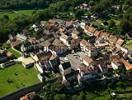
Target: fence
(16, 95)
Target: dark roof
(45, 56)
(73, 73)
(129, 35)
(66, 65)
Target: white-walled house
(65, 39)
(115, 62)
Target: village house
(4, 55)
(101, 43)
(82, 25)
(119, 42)
(46, 61)
(88, 48)
(97, 33)
(68, 74)
(35, 27)
(105, 35)
(89, 30)
(115, 62)
(17, 40)
(21, 37)
(71, 77)
(15, 43)
(112, 39)
(43, 23)
(74, 35)
(75, 44)
(58, 47)
(86, 74)
(87, 61)
(65, 68)
(28, 49)
(29, 96)
(127, 65)
(68, 24)
(65, 39)
(47, 43)
(85, 6)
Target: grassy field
(13, 14)
(16, 77)
(16, 54)
(128, 44)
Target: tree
(5, 18)
(82, 96)
(74, 97)
(79, 14)
(111, 23)
(126, 26)
(60, 97)
(102, 5)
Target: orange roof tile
(97, 33)
(127, 65)
(86, 44)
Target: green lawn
(13, 14)
(16, 77)
(16, 54)
(128, 44)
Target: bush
(6, 45)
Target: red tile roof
(97, 33)
(127, 65)
(86, 44)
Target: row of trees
(56, 91)
(8, 26)
(24, 4)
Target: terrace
(16, 77)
